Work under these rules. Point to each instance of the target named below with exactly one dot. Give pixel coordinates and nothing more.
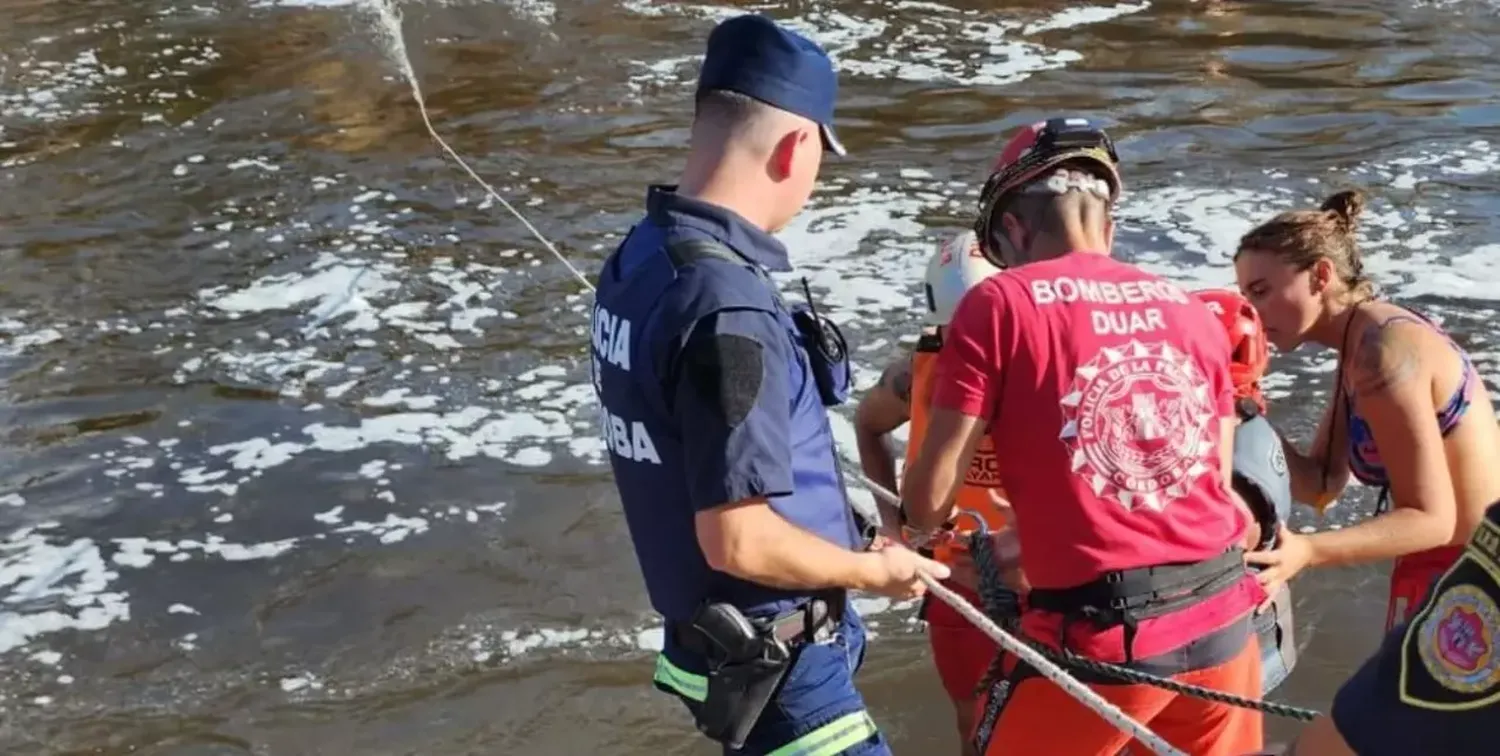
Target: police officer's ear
(789, 149)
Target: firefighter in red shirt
(1110, 405)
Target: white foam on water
(47, 586)
(304, 3)
(393, 529)
(915, 41)
(50, 80)
(1406, 248)
(1081, 16)
(539, 11)
(516, 643)
(16, 337)
(338, 290)
(295, 683)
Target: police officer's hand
(895, 572)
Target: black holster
(1125, 597)
(747, 661)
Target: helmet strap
(1063, 181)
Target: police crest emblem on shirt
(1278, 459)
(1137, 421)
(1449, 660)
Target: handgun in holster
(747, 662)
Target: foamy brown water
(300, 450)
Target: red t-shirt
(1104, 387)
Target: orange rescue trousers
(1028, 714)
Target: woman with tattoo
(960, 651)
(1409, 413)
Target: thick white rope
(391, 21)
(1010, 643)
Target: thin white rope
(391, 19)
(1051, 671)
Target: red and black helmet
(1249, 352)
(1031, 153)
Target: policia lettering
(1449, 659)
(624, 438)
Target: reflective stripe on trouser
(828, 740)
(686, 684)
(832, 738)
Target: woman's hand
(1293, 552)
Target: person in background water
(960, 651)
(1108, 397)
(1259, 475)
(1409, 413)
(1433, 686)
(714, 395)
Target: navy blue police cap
(758, 58)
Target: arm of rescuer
(965, 394)
(883, 409)
(732, 396)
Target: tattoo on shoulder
(1385, 357)
(897, 378)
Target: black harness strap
(1125, 597)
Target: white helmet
(956, 267)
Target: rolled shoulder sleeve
(732, 400)
(968, 367)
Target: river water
(299, 453)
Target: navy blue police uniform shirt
(707, 399)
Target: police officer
(1434, 684)
(715, 393)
